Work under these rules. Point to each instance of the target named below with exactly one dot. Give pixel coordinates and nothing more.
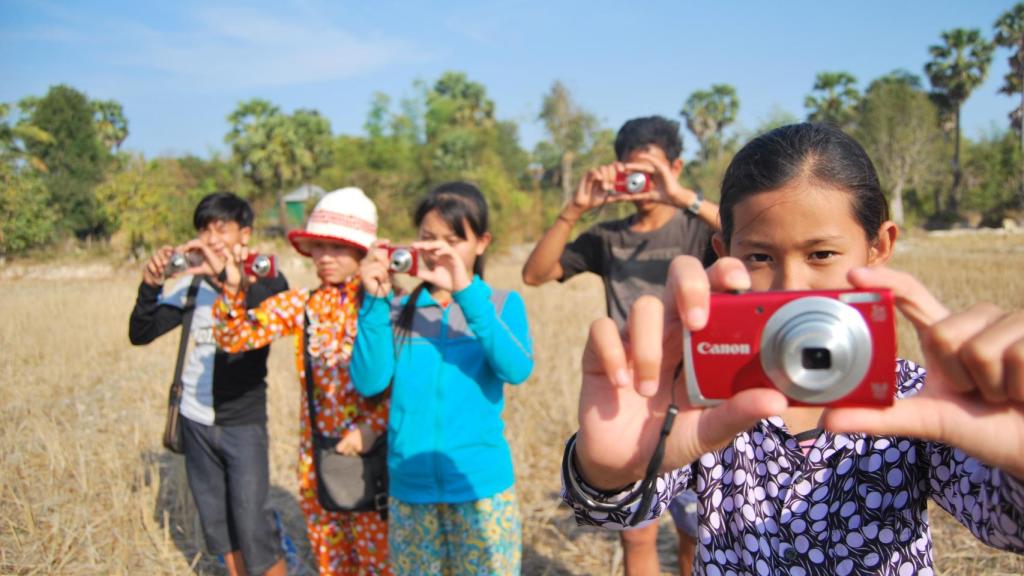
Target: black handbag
(345, 483)
(172, 426)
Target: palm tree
(958, 66)
(833, 100)
(277, 151)
(1010, 34)
(707, 113)
(111, 125)
(14, 141)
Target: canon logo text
(723, 348)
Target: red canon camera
(819, 347)
(403, 260)
(632, 182)
(260, 265)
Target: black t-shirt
(632, 264)
(219, 388)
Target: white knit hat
(344, 215)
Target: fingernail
(697, 317)
(647, 387)
(621, 378)
(738, 280)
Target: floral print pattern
(478, 537)
(342, 542)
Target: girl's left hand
(351, 443)
(973, 396)
(357, 441)
(446, 270)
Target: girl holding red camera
(338, 234)
(806, 490)
(445, 351)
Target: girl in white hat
(337, 235)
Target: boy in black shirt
(224, 400)
(632, 256)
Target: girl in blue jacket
(446, 350)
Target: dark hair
(819, 152)
(458, 204)
(639, 133)
(223, 206)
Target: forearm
(373, 354)
(543, 264)
(710, 215)
(239, 330)
(149, 319)
(505, 338)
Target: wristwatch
(694, 207)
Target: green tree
(458, 116)
(707, 113)
(75, 158)
(26, 218)
(992, 175)
(958, 66)
(1010, 34)
(277, 151)
(16, 138)
(111, 124)
(833, 99)
(898, 126)
(570, 128)
(150, 203)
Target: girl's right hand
(627, 386)
(373, 269)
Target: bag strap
(186, 327)
(307, 362)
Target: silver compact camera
(181, 261)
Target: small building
(297, 201)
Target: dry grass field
(85, 487)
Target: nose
(791, 275)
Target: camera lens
(816, 349)
(816, 358)
(636, 182)
(261, 265)
(401, 260)
(177, 263)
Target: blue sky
(179, 68)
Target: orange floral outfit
(342, 542)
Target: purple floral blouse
(855, 504)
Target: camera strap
(649, 483)
(186, 332)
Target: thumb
(918, 416)
(718, 425)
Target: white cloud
(242, 48)
(218, 48)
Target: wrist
(602, 478)
(570, 215)
(692, 202)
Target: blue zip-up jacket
(446, 440)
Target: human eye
(757, 258)
(823, 255)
